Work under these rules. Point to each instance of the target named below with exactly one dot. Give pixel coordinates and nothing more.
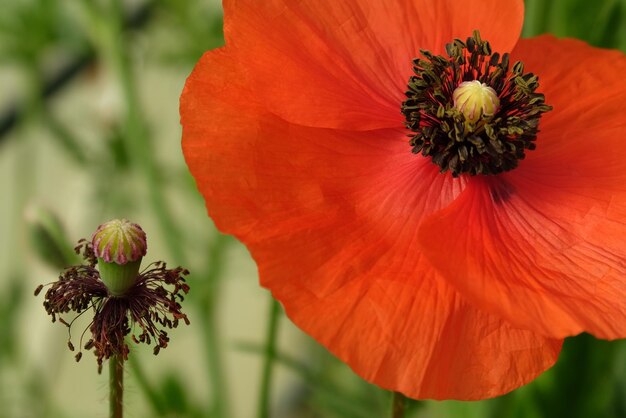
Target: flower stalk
(398, 405)
(116, 386)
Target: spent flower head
(124, 300)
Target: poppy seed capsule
(475, 99)
(119, 246)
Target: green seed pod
(119, 246)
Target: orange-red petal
(331, 219)
(544, 245)
(344, 64)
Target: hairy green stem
(268, 365)
(398, 405)
(116, 386)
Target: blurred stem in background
(264, 410)
(13, 274)
(108, 23)
(600, 23)
(207, 305)
(536, 17)
(146, 388)
(398, 406)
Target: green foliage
(601, 23)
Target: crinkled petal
(544, 245)
(339, 64)
(587, 89)
(393, 319)
(331, 219)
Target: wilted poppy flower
(124, 300)
(447, 264)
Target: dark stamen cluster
(490, 145)
(148, 307)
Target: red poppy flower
(436, 273)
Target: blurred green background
(89, 130)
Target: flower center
(468, 112)
(475, 99)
